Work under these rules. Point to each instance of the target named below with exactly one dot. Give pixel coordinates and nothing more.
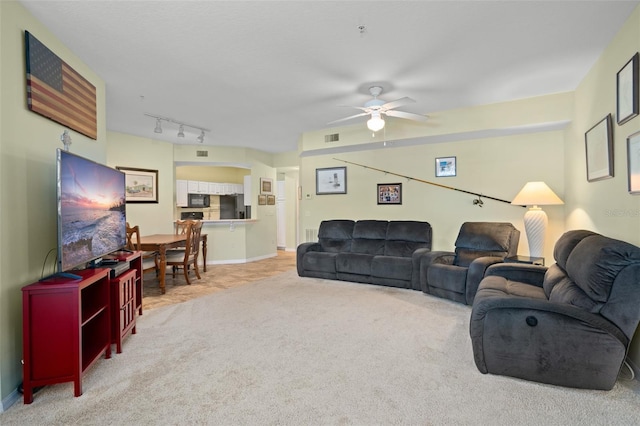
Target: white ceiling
(260, 73)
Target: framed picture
(633, 162)
(445, 166)
(599, 149)
(262, 200)
(266, 186)
(389, 193)
(627, 87)
(141, 185)
(331, 180)
(271, 200)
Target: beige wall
(604, 206)
(496, 166)
(142, 153)
(212, 173)
(28, 145)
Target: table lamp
(536, 194)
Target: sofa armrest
(428, 259)
(445, 257)
(301, 250)
(477, 269)
(521, 272)
(416, 260)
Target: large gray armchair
(456, 275)
(570, 324)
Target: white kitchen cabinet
(193, 187)
(182, 191)
(214, 188)
(247, 190)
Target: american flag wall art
(57, 91)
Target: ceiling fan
(377, 108)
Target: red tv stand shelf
(66, 329)
(68, 324)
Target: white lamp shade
(536, 194)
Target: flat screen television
(91, 211)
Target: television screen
(91, 210)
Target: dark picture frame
(389, 193)
(627, 103)
(446, 167)
(271, 200)
(599, 150)
(331, 180)
(141, 185)
(633, 163)
(262, 200)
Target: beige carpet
(302, 351)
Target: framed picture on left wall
(141, 185)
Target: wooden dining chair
(149, 258)
(189, 256)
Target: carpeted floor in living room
(285, 350)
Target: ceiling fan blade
(407, 115)
(356, 107)
(397, 103)
(348, 118)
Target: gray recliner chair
(456, 275)
(568, 325)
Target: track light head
(158, 128)
(201, 137)
(181, 131)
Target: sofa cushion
(335, 235)
(595, 262)
(369, 236)
(492, 285)
(405, 236)
(399, 268)
(479, 239)
(566, 243)
(319, 261)
(566, 291)
(354, 263)
(450, 277)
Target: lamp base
(535, 225)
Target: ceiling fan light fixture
(158, 128)
(376, 122)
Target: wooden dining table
(162, 242)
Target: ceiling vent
(332, 138)
(202, 153)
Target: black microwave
(198, 200)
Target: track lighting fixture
(181, 126)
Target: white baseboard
(11, 399)
(233, 261)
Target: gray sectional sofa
(367, 251)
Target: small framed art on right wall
(446, 166)
(633, 162)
